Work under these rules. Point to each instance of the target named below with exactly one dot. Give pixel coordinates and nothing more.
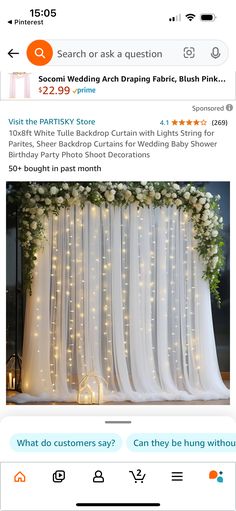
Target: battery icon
(207, 17)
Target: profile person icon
(98, 477)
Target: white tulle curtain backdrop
(118, 292)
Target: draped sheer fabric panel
(118, 292)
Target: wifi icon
(190, 17)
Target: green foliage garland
(34, 200)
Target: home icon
(19, 477)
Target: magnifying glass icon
(39, 53)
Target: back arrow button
(11, 53)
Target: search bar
(185, 52)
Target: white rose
(41, 190)
(120, 186)
(214, 250)
(140, 196)
(194, 200)
(209, 195)
(186, 195)
(202, 200)
(163, 192)
(32, 201)
(207, 206)
(214, 233)
(218, 197)
(102, 188)
(81, 188)
(174, 195)
(176, 186)
(65, 186)
(143, 183)
(151, 188)
(221, 220)
(109, 195)
(178, 202)
(60, 200)
(138, 190)
(27, 195)
(207, 222)
(157, 195)
(214, 261)
(198, 207)
(48, 201)
(40, 211)
(75, 192)
(192, 189)
(33, 225)
(53, 190)
(28, 235)
(88, 189)
(128, 194)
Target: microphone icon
(215, 52)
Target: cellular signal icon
(175, 18)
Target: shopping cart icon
(138, 477)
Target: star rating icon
(189, 122)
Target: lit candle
(10, 380)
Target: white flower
(128, 194)
(81, 188)
(208, 195)
(27, 195)
(214, 233)
(28, 235)
(206, 222)
(60, 200)
(143, 183)
(152, 193)
(151, 188)
(102, 188)
(176, 186)
(48, 202)
(33, 225)
(140, 196)
(41, 190)
(157, 195)
(194, 200)
(186, 195)
(221, 220)
(120, 186)
(218, 197)
(198, 207)
(192, 189)
(207, 206)
(202, 200)
(40, 211)
(110, 196)
(32, 201)
(174, 195)
(164, 191)
(53, 190)
(65, 186)
(75, 192)
(214, 250)
(214, 261)
(138, 190)
(178, 202)
(88, 189)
